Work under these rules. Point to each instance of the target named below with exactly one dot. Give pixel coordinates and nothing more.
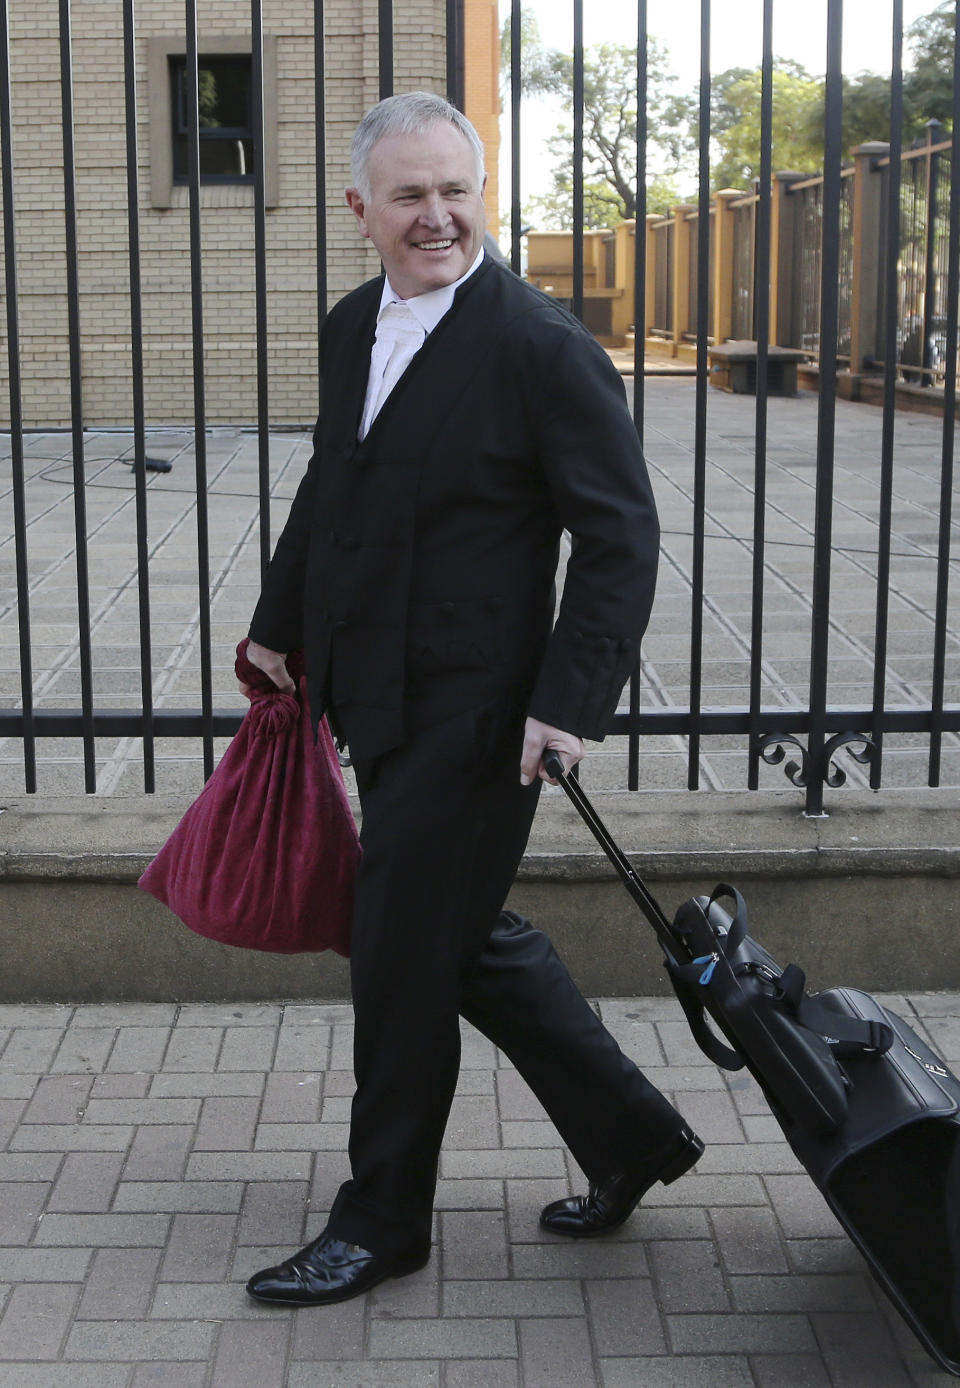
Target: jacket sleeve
(278, 618)
(594, 466)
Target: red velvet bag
(265, 857)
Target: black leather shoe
(608, 1205)
(329, 1270)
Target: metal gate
(812, 729)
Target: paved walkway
(234, 580)
(152, 1156)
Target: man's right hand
(273, 665)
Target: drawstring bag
(266, 856)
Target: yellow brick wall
(481, 48)
(227, 230)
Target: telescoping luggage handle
(634, 883)
(876, 1037)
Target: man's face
(425, 212)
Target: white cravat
(399, 337)
(402, 329)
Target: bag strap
(853, 1033)
(695, 1013)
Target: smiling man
(466, 421)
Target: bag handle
(687, 977)
(848, 1035)
(553, 765)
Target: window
(225, 103)
(225, 100)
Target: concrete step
(865, 896)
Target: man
(466, 420)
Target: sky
(799, 32)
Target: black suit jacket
(417, 567)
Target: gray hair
(409, 113)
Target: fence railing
(925, 180)
(796, 275)
(706, 273)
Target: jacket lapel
(444, 366)
(346, 369)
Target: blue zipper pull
(711, 961)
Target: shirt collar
(428, 308)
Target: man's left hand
(537, 737)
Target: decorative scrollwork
(834, 775)
(772, 750)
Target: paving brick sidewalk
(152, 1156)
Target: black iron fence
(805, 208)
(812, 729)
(923, 280)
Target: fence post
(723, 251)
(621, 312)
(682, 240)
(650, 273)
(867, 239)
(783, 267)
(934, 136)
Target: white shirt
(402, 329)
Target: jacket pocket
(461, 634)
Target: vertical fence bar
(640, 226)
(76, 396)
(455, 55)
(516, 77)
(826, 405)
(700, 427)
(578, 159)
(137, 389)
(890, 274)
(199, 386)
(949, 426)
(260, 273)
(320, 156)
(385, 46)
(639, 333)
(761, 306)
(16, 406)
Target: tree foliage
(609, 126)
(798, 106)
(735, 122)
(610, 117)
(928, 88)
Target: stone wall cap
(668, 835)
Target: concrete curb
(74, 927)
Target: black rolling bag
(865, 1104)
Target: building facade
(226, 201)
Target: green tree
(928, 86)
(609, 127)
(798, 106)
(735, 122)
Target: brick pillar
(783, 266)
(650, 273)
(683, 248)
(867, 213)
(723, 263)
(624, 279)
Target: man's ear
(358, 208)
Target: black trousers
(445, 824)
